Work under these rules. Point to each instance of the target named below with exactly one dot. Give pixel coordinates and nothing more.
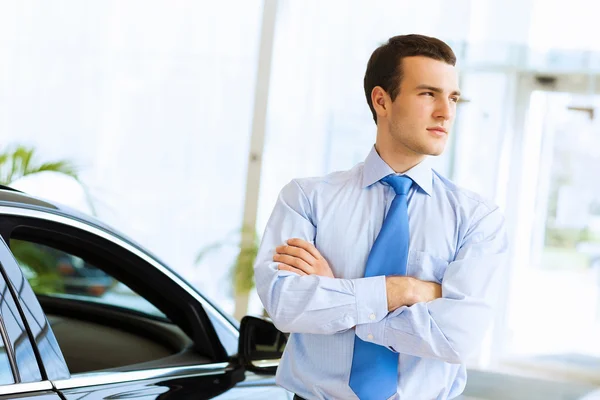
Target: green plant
(246, 240)
(18, 161)
(39, 266)
(243, 269)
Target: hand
(406, 291)
(428, 291)
(303, 258)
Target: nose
(445, 109)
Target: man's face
(423, 112)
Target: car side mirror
(261, 345)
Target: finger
(296, 252)
(285, 267)
(294, 262)
(303, 244)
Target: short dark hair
(385, 65)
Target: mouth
(438, 131)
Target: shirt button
(372, 317)
(370, 336)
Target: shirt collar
(375, 168)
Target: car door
(20, 374)
(144, 335)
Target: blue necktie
(374, 373)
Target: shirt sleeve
(310, 304)
(452, 327)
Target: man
(385, 274)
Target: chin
(436, 151)
(437, 148)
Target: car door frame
(55, 221)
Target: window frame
(189, 303)
(84, 297)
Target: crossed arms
(303, 258)
(423, 319)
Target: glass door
(554, 302)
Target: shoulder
(312, 186)
(467, 201)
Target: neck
(396, 155)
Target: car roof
(15, 198)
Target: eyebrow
(437, 90)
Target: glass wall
(153, 100)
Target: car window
(56, 273)
(228, 338)
(76, 269)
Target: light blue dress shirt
(457, 239)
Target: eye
(427, 94)
(454, 99)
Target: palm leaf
(242, 271)
(64, 167)
(229, 240)
(20, 161)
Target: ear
(381, 101)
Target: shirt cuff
(371, 299)
(373, 333)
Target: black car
(143, 333)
